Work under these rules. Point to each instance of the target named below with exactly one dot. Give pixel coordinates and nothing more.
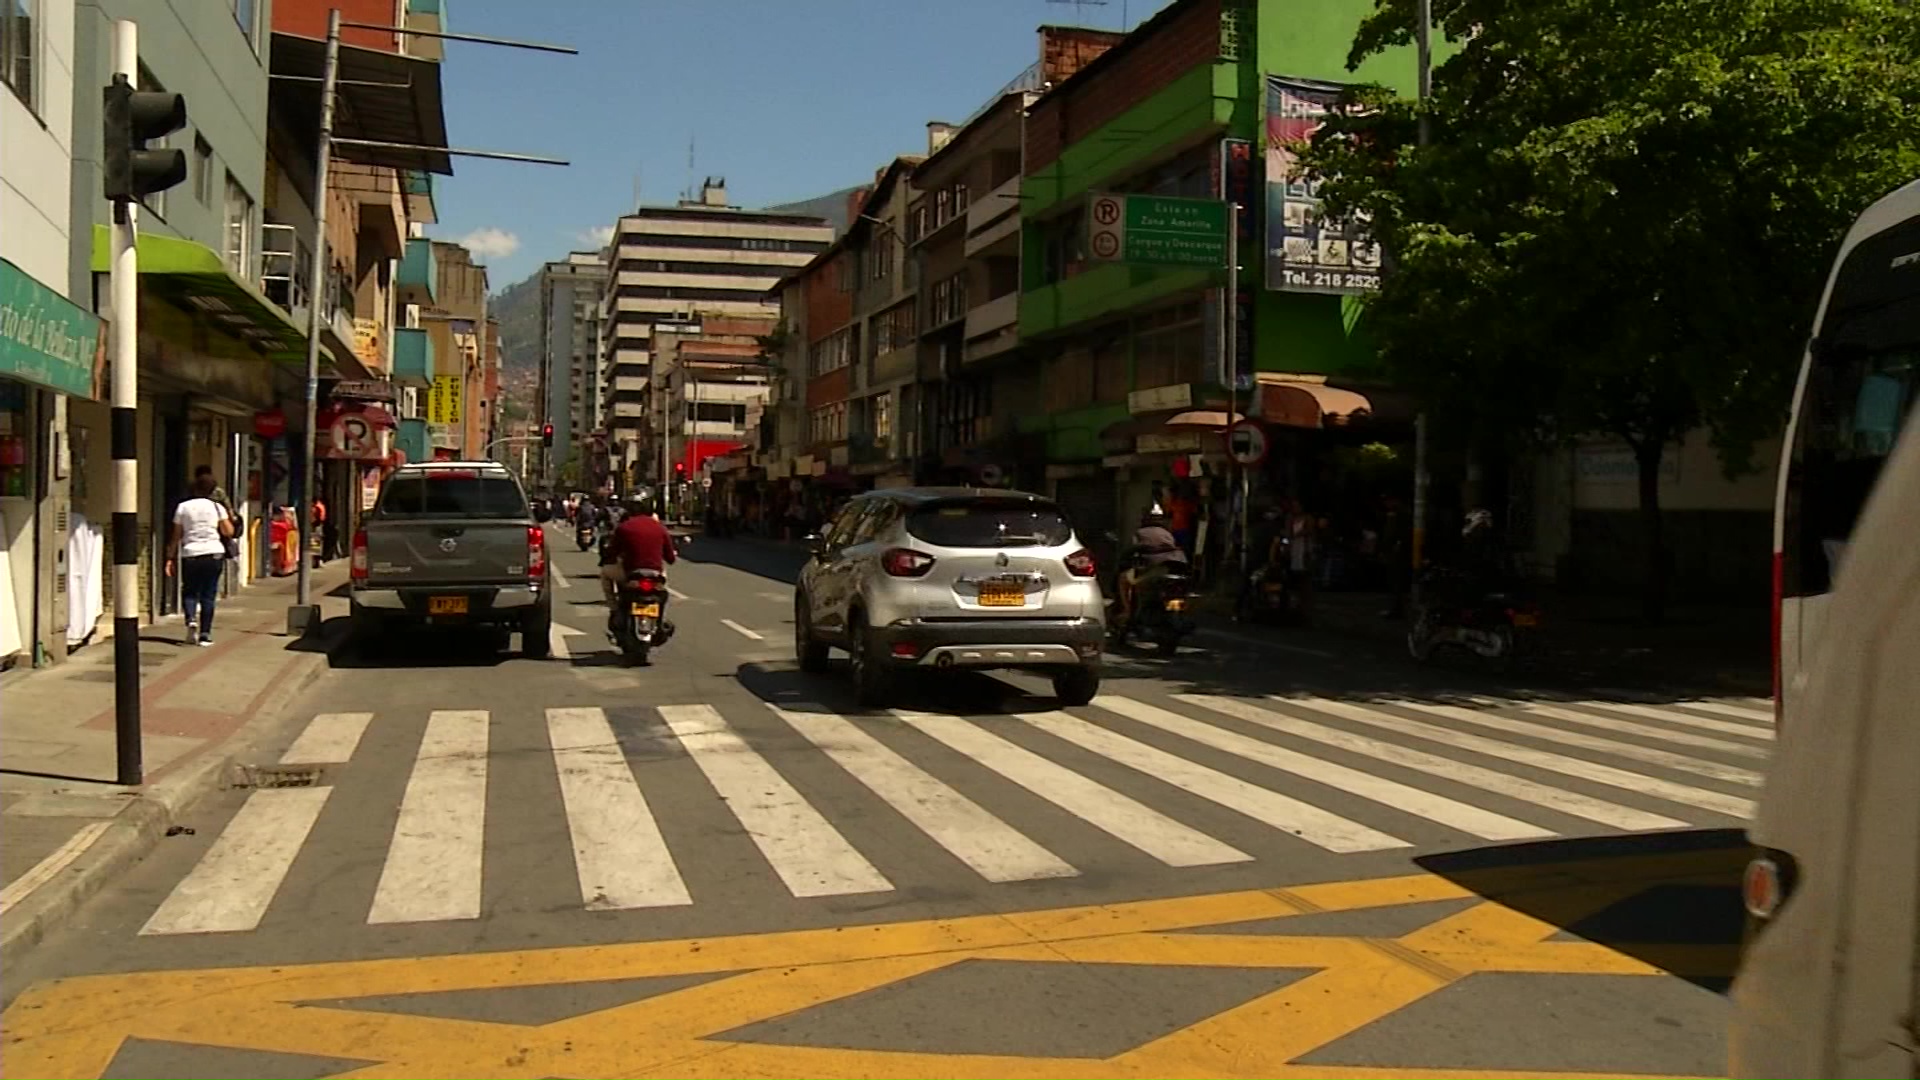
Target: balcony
(993, 217)
(418, 189)
(425, 15)
(413, 357)
(383, 210)
(419, 279)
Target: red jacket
(642, 543)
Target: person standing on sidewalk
(201, 529)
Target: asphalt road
(1270, 855)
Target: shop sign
(1157, 230)
(365, 390)
(270, 423)
(1167, 442)
(1161, 398)
(444, 399)
(366, 342)
(46, 339)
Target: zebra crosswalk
(1187, 782)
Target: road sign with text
(1157, 230)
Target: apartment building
(883, 364)
(671, 265)
(571, 396)
(708, 386)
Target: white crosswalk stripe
(1129, 769)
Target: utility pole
(1230, 359)
(1422, 475)
(130, 171)
(305, 614)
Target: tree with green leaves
(1627, 209)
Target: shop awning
(1170, 420)
(1308, 404)
(195, 279)
(384, 97)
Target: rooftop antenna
(690, 145)
(1080, 8)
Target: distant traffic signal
(546, 435)
(131, 117)
(680, 470)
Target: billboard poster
(1306, 251)
(444, 399)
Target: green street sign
(1157, 230)
(45, 338)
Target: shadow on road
(765, 558)
(438, 648)
(1668, 899)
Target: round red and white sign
(1247, 443)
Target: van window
(1856, 402)
(452, 494)
(989, 523)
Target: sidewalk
(67, 825)
(1596, 640)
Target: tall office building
(671, 264)
(571, 392)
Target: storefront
(49, 355)
(356, 447)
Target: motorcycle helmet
(1477, 520)
(640, 501)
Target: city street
(1272, 855)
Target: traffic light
(546, 435)
(679, 470)
(132, 117)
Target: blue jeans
(199, 588)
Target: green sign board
(1157, 230)
(45, 338)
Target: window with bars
(19, 48)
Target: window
(719, 412)
(1063, 247)
(1169, 346)
(847, 271)
(893, 329)
(453, 493)
(880, 258)
(829, 423)
(949, 300)
(833, 352)
(942, 207)
(245, 12)
(18, 30)
(883, 419)
(917, 221)
(719, 243)
(990, 523)
(239, 219)
(202, 171)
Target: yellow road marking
(73, 1027)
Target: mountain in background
(517, 307)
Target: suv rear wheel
(807, 648)
(1076, 686)
(872, 682)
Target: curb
(140, 825)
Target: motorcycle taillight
(645, 584)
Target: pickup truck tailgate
(449, 552)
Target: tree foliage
(1628, 208)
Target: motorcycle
(1271, 595)
(585, 535)
(639, 615)
(1496, 627)
(1159, 612)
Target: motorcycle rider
(640, 542)
(1153, 543)
(1266, 552)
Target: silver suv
(945, 578)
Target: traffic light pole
(123, 356)
(306, 614)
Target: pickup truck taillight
(359, 566)
(536, 552)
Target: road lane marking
(995, 850)
(1645, 731)
(1308, 822)
(1730, 805)
(1666, 759)
(753, 635)
(1452, 813)
(559, 578)
(49, 868)
(618, 853)
(810, 855)
(1499, 783)
(1123, 818)
(232, 884)
(329, 739)
(677, 594)
(557, 636)
(433, 866)
(778, 598)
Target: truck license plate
(1002, 594)
(447, 605)
(646, 611)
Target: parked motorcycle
(1498, 628)
(639, 615)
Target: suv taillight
(536, 552)
(905, 562)
(359, 566)
(1080, 563)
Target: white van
(1830, 983)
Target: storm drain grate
(276, 776)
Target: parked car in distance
(452, 543)
(932, 579)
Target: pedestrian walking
(201, 529)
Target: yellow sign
(1497, 920)
(444, 399)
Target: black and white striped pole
(129, 118)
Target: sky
(786, 99)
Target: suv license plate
(1002, 594)
(447, 605)
(646, 611)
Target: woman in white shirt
(201, 528)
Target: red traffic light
(546, 434)
(680, 468)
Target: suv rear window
(990, 523)
(454, 495)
